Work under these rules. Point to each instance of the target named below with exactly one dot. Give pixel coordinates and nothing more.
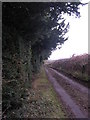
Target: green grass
(41, 102)
(50, 96)
(77, 74)
(57, 111)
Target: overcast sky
(78, 37)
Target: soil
(73, 95)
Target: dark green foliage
(13, 83)
(30, 32)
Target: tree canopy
(30, 31)
(38, 22)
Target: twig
(6, 109)
(10, 81)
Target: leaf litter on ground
(42, 101)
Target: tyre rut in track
(70, 98)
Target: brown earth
(73, 95)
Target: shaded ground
(42, 101)
(69, 101)
(73, 95)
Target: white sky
(77, 42)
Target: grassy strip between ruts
(42, 101)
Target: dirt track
(74, 96)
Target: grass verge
(42, 101)
(53, 106)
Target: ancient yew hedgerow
(30, 32)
